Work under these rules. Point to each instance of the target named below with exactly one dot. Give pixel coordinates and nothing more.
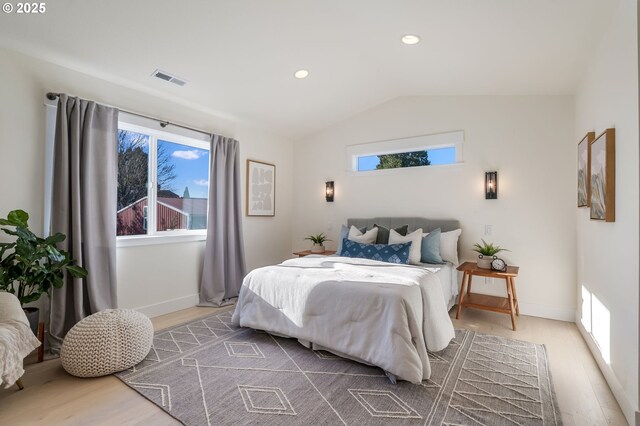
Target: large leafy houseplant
(30, 266)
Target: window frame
(153, 236)
(453, 139)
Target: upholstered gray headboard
(414, 223)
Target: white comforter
(383, 314)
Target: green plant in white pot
(318, 242)
(486, 253)
(30, 266)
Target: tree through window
(176, 189)
(425, 157)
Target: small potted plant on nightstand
(318, 242)
(486, 253)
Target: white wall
(607, 262)
(523, 138)
(160, 278)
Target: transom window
(425, 157)
(163, 182)
(419, 151)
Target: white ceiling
(239, 56)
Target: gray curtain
(224, 264)
(85, 174)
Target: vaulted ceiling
(239, 56)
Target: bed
(377, 313)
(447, 273)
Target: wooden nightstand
(508, 305)
(308, 252)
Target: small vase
(484, 262)
(317, 248)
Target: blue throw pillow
(430, 250)
(391, 253)
(344, 233)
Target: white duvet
(383, 314)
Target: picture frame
(602, 152)
(584, 169)
(260, 189)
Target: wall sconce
(329, 191)
(491, 185)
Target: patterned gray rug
(209, 372)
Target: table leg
(465, 277)
(469, 279)
(515, 295)
(41, 338)
(512, 308)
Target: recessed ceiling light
(410, 39)
(301, 74)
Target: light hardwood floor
(583, 394)
(52, 397)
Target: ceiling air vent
(168, 77)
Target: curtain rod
(163, 123)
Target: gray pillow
(383, 233)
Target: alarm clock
(498, 264)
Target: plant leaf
(18, 218)
(77, 271)
(25, 234)
(54, 239)
(32, 297)
(54, 254)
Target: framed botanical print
(602, 152)
(584, 167)
(261, 189)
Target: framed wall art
(584, 168)
(261, 189)
(602, 152)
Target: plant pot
(33, 315)
(317, 248)
(484, 262)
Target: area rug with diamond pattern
(210, 372)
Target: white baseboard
(544, 311)
(627, 406)
(169, 306)
(527, 308)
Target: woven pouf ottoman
(106, 342)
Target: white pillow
(368, 237)
(449, 246)
(416, 243)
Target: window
(428, 150)
(163, 182)
(133, 179)
(145, 209)
(426, 157)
